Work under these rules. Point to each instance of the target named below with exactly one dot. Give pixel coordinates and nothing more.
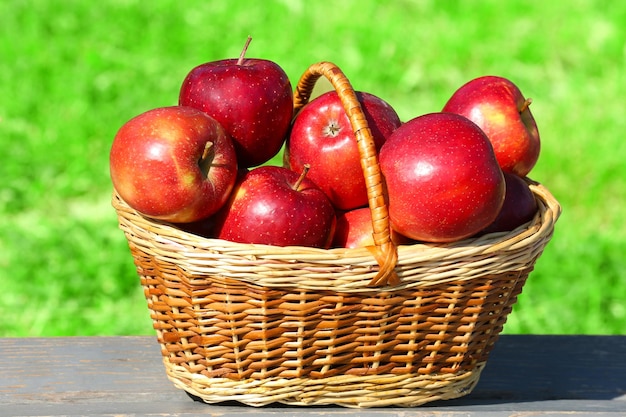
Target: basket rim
(545, 218)
(170, 239)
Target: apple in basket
(519, 205)
(276, 206)
(497, 105)
(173, 163)
(323, 137)
(444, 182)
(354, 230)
(251, 98)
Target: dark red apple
(354, 230)
(519, 205)
(498, 107)
(203, 227)
(251, 98)
(173, 163)
(443, 180)
(322, 136)
(276, 206)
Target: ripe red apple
(251, 98)
(205, 227)
(322, 136)
(498, 107)
(276, 206)
(173, 163)
(442, 177)
(354, 230)
(519, 205)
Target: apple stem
(526, 104)
(207, 157)
(305, 170)
(244, 50)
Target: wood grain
(124, 376)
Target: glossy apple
(499, 108)
(354, 230)
(205, 227)
(322, 136)
(442, 177)
(519, 205)
(251, 98)
(173, 163)
(276, 206)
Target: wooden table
(123, 376)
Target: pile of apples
(201, 164)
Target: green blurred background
(72, 72)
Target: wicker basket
(360, 327)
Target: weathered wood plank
(98, 376)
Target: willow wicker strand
(247, 322)
(344, 270)
(351, 392)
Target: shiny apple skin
(322, 137)
(253, 101)
(155, 164)
(443, 180)
(265, 208)
(494, 104)
(355, 230)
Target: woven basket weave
(360, 327)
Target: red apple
(519, 205)
(498, 107)
(276, 206)
(251, 98)
(354, 230)
(442, 177)
(322, 136)
(206, 227)
(173, 163)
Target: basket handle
(384, 250)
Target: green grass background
(72, 72)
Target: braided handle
(384, 250)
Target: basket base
(346, 390)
